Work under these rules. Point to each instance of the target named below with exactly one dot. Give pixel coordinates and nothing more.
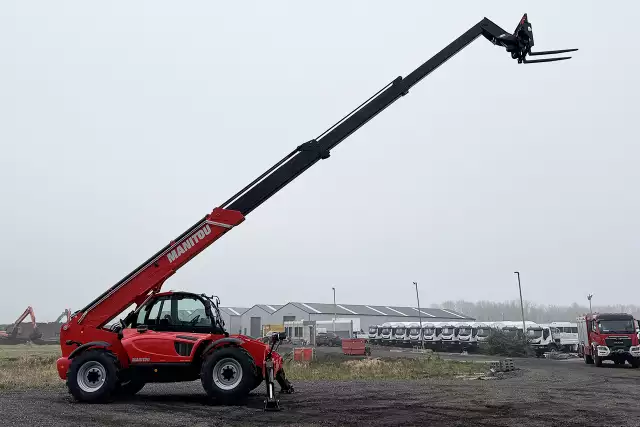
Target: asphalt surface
(541, 392)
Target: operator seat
(166, 321)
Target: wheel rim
(91, 376)
(227, 374)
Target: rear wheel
(228, 374)
(92, 376)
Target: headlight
(603, 350)
(635, 350)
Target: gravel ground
(540, 393)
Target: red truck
(608, 336)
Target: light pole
(334, 309)
(419, 315)
(524, 326)
(589, 298)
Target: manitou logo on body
(188, 243)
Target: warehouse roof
(234, 311)
(269, 308)
(379, 310)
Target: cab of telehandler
(178, 312)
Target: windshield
(534, 333)
(414, 331)
(447, 331)
(483, 332)
(399, 331)
(428, 331)
(616, 326)
(386, 331)
(373, 330)
(464, 331)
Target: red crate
(354, 346)
(303, 354)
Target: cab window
(177, 313)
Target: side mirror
(142, 329)
(278, 336)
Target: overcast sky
(123, 123)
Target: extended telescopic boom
(150, 276)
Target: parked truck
(386, 333)
(565, 335)
(375, 334)
(608, 336)
(400, 336)
(467, 335)
(448, 335)
(431, 339)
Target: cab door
(167, 330)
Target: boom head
(521, 41)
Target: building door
(256, 327)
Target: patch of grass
(429, 366)
(34, 367)
(29, 366)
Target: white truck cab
(374, 334)
(400, 333)
(483, 330)
(386, 333)
(466, 333)
(414, 333)
(429, 334)
(448, 334)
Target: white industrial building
(256, 317)
(367, 315)
(232, 317)
(251, 322)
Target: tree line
(490, 311)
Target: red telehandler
(180, 336)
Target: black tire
(228, 374)
(257, 381)
(129, 387)
(597, 360)
(588, 359)
(93, 376)
(635, 362)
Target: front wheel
(597, 360)
(228, 374)
(129, 387)
(92, 376)
(635, 362)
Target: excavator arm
(141, 283)
(65, 316)
(16, 325)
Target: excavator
(12, 335)
(63, 318)
(180, 336)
